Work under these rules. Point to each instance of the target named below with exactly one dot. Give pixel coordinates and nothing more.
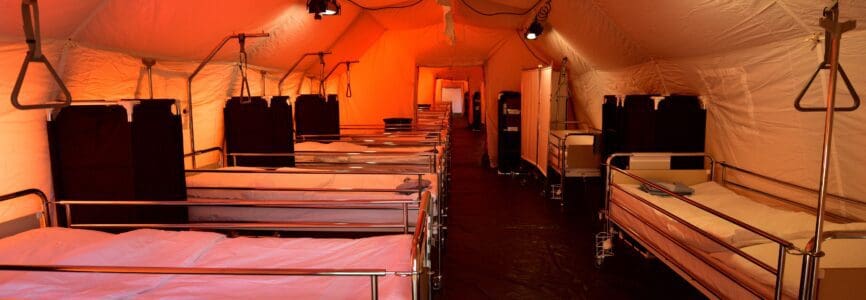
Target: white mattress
(391, 253)
(136, 248)
(325, 181)
(789, 225)
(839, 254)
(199, 249)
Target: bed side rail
(219, 150)
(16, 206)
(405, 205)
(729, 176)
(373, 274)
(421, 255)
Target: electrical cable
(523, 13)
(520, 35)
(396, 6)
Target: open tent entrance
(453, 92)
(453, 86)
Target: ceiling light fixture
(321, 8)
(535, 28)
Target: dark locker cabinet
(509, 132)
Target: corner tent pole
(196, 71)
(298, 62)
(148, 63)
(834, 30)
(415, 96)
(30, 20)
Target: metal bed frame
(436, 229)
(833, 30)
(604, 245)
(420, 272)
(557, 156)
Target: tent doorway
(455, 97)
(461, 82)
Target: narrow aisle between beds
(506, 241)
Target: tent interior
(745, 61)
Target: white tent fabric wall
(748, 59)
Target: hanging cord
(348, 80)
(322, 76)
(396, 6)
(490, 14)
(543, 12)
(528, 48)
(245, 84)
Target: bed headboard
(23, 210)
(660, 167)
(687, 177)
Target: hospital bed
(155, 261)
(738, 235)
(393, 199)
(572, 154)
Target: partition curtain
(535, 116)
(544, 102)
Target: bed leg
(374, 287)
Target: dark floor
(506, 241)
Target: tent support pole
(834, 30)
(347, 63)
(298, 62)
(415, 96)
(148, 64)
(204, 63)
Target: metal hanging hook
(833, 30)
(30, 20)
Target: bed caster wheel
(437, 282)
(598, 262)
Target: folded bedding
(675, 187)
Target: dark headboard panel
(637, 124)
(251, 126)
(97, 154)
(315, 116)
